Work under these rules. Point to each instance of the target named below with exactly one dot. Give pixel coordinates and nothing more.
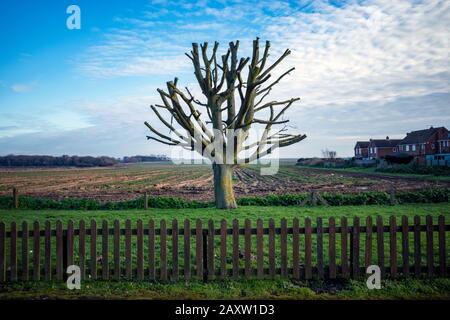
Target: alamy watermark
(74, 278)
(374, 280)
(73, 21)
(231, 146)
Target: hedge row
(415, 169)
(363, 198)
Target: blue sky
(363, 68)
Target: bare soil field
(192, 181)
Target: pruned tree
(234, 101)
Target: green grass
(241, 213)
(228, 289)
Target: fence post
(259, 248)
(64, 255)
(15, 198)
(417, 253)
(442, 252)
(319, 239)
(308, 249)
(2, 252)
(344, 245)
(380, 244)
(211, 268)
(25, 260)
(429, 236)
(140, 250)
(199, 248)
(146, 200)
(205, 255)
(355, 247)
(36, 252)
(392, 198)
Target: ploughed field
(194, 181)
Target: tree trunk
(223, 186)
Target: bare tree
(232, 105)
(329, 154)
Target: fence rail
(35, 252)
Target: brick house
(427, 145)
(362, 150)
(379, 148)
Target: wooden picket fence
(150, 253)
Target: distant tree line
(150, 158)
(51, 161)
(73, 161)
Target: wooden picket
(344, 248)
(25, 260)
(93, 250)
(295, 249)
(151, 250)
(116, 250)
(272, 247)
(368, 248)
(82, 248)
(223, 248)
(2, 252)
(417, 251)
(355, 248)
(174, 249)
(36, 252)
(199, 248)
(105, 250)
(48, 251)
(393, 246)
(380, 244)
(429, 231)
(163, 251)
(283, 247)
(187, 250)
(405, 245)
(308, 249)
(319, 239)
(140, 250)
(442, 251)
(128, 270)
(210, 249)
(289, 242)
(259, 248)
(235, 249)
(247, 248)
(59, 250)
(332, 248)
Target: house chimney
(387, 137)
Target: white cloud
(21, 87)
(377, 51)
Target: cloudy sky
(364, 69)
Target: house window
(407, 147)
(413, 147)
(432, 146)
